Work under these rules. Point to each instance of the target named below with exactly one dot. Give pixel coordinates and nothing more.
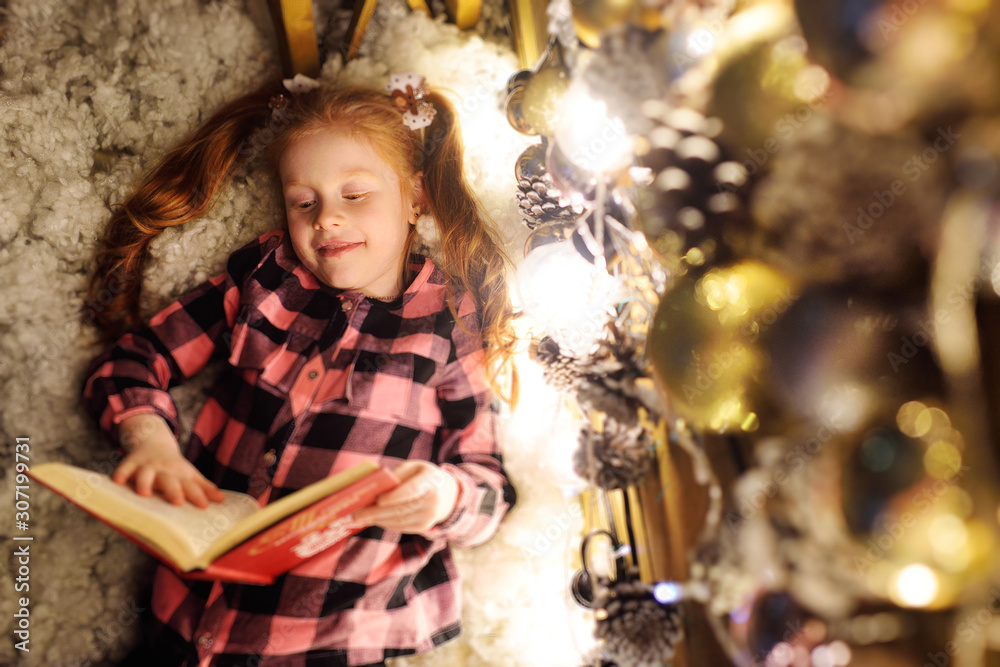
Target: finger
(144, 479)
(194, 493)
(406, 524)
(171, 489)
(412, 489)
(385, 517)
(395, 517)
(211, 491)
(408, 469)
(123, 473)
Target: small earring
(427, 230)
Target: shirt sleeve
(133, 375)
(469, 448)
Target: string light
(588, 136)
(566, 295)
(916, 585)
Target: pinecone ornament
(538, 199)
(637, 631)
(616, 457)
(614, 377)
(560, 371)
(631, 65)
(695, 204)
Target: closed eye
(355, 196)
(304, 206)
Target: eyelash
(349, 197)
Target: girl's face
(348, 217)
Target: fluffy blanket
(91, 93)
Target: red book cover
(306, 527)
(294, 540)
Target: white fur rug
(90, 94)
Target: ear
(419, 199)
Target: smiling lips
(336, 248)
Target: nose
(327, 217)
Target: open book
(235, 540)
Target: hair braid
(473, 254)
(180, 188)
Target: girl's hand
(427, 496)
(155, 463)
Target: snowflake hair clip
(297, 85)
(408, 91)
(300, 83)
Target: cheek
(300, 238)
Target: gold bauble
(903, 485)
(762, 79)
(542, 98)
(593, 17)
(704, 348)
(515, 111)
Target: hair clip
(300, 83)
(277, 103)
(408, 91)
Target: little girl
(341, 346)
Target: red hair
(183, 185)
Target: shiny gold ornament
(704, 343)
(764, 87)
(906, 64)
(542, 97)
(543, 91)
(918, 541)
(515, 99)
(515, 111)
(593, 17)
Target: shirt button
(269, 459)
(313, 375)
(205, 641)
(347, 306)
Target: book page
(182, 533)
(286, 506)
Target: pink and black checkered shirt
(317, 380)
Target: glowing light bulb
(568, 296)
(667, 592)
(700, 42)
(588, 136)
(915, 586)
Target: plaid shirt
(318, 380)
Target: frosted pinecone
(622, 455)
(614, 378)
(560, 371)
(631, 65)
(697, 197)
(538, 199)
(637, 631)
